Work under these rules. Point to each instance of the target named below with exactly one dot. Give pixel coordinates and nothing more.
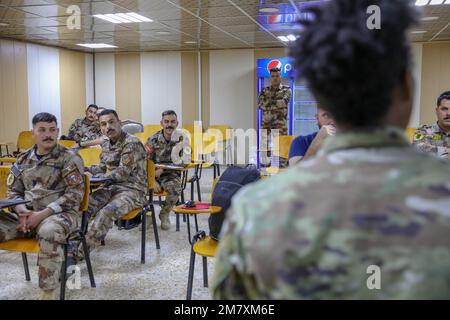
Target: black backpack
(231, 180)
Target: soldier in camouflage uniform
(435, 138)
(123, 161)
(50, 176)
(85, 129)
(369, 217)
(274, 102)
(170, 146)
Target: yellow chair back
(4, 172)
(225, 131)
(90, 156)
(409, 132)
(282, 146)
(85, 202)
(151, 129)
(142, 137)
(66, 143)
(150, 174)
(25, 140)
(213, 186)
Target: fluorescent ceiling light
(291, 37)
(269, 10)
(283, 38)
(96, 45)
(129, 17)
(2, 24)
(429, 18)
(418, 32)
(421, 3)
(162, 32)
(190, 42)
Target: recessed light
(269, 10)
(283, 38)
(2, 24)
(418, 32)
(421, 3)
(129, 17)
(162, 32)
(429, 18)
(96, 45)
(190, 42)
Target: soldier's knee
(51, 231)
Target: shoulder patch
(418, 137)
(10, 180)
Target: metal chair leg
(155, 227)
(196, 223)
(198, 190)
(144, 227)
(191, 274)
(25, 266)
(189, 229)
(178, 222)
(87, 256)
(62, 293)
(205, 272)
(184, 217)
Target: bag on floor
(231, 180)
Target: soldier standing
(123, 161)
(170, 146)
(50, 176)
(274, 102)
(435, 138)
(86, 129)
(369, 217)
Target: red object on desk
(198, 206)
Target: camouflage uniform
(124, 162)
(274, 117)
(82, 130)
(54, 181)
(431, 138)
(367, 199)
(160, 150)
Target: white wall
(43, 81)
(414, 121)
(105, 80)
(89, 74)
(160, 85)
(232, 91)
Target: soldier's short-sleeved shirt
(54, 180)
(124, 162)
(83, 130)
(173, 151)
(368, 212)
(275, 116)
(432, 139)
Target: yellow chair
(147, 207)
(67, 143)
(194, 212)
(25, 246)
(4, 173)
(409, 133)
(24, 142)
(206, 247)
(142, 137)
(151, 129)
(90, 156)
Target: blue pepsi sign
(286, 65)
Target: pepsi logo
(274, 64)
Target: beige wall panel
(128, 86)
(435, 78)
(13, 90)
(206, 107)
(189, 87)
(72, 86)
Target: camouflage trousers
(170, 183)
(265, 142)
(107, 205)
(51, 233)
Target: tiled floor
(117, 268)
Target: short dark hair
(275, 70)
(44, 117)
(444, 96)
(108, 111)
(169, 113)
(92, 106)
(353, 70)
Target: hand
(158, 172)
(75, 146)
(35, 218)
(325, 132)
(157, 188)
(23, 221)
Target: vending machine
(302, 107)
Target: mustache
(48, 139)
(170, 128)
(110, 130)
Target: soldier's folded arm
(126, 165)
(97, 169)
(16, 189)
(73, 177)
(72, 134)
